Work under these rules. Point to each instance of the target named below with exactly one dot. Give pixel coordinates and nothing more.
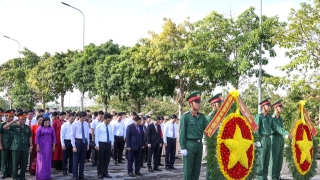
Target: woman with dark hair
(33, 155)
(45, 141)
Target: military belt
(265, 135)
(195, 140)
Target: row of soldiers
(270, 147)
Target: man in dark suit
(143, 152)
(154, 143)
(135, 142)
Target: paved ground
(119, 172)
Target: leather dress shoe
(160, 164)
(120, 162)
(115, 162)
(167, 168)
(9, 175)
(138, 173)
(150, 169)
(157, 169)
(107, 176)
(131, 174)
(100, 176)
(172, 167)
(4, 176)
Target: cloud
(150, 2)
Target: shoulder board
(186, 112)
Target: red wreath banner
(235, 150)
(302, 147)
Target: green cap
(194, 96)
(216, 98)
(276, 104)
(265, 102)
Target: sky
(49, 26)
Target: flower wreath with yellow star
(301, 153)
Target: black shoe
(65, 172)
(177, 157)
(9, 175)
(120, 162)
(138, 173)
(160, 164)
(131, 174)
(70, 171)
(107, 176)
(167, 168)
(172, 167)
(4, 176)
(142, 166)
(84, 178)
(115, 162)
(157, 169)
(150, 169)
(100, 176)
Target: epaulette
(186, 112)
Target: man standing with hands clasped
(104, 144)
(154, 144)
(80, 146)
(169, 139)
(192, 126)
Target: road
(119, 172)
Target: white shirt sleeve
(97, 133)
(62, 133)
(165, 133)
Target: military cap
(22, 115)
(215, 98)
(10, 111)
(265, 102)
(150, 113)
(276, 104)
(140, 114)
(194, 96)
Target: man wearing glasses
(192, 126)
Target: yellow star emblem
(238, 147)
(305, 145)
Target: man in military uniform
(21, 145)
(215, 102)
(277, 143)
(192, 125)
(266, 126)
(6, 138)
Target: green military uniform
(266, 127)
(215, 99)
(6, 141)
(191, 131)
(20, 147)
(277, 145)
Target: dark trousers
(79, 157)
(94, 156)
(17, 158)
(118, 148)
(67, 154)
(134, 155)
(145, 156)
(143, 151)
(104, 154)
(160, 152)
(6, 161)
(155, 152)
(170, 151)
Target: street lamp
(15, 41)
(19, 59)
(82, 94)
(260, 64)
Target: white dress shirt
(32, 121)
(101, 134)
(77, 132)
(168, 131)
(65, 132)
(119, 129)
(94, 124)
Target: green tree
(82, 72)
(55, 73)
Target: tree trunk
(43, 102)
(138, 106)
(181, 96)
(63, 93)
(104, 103)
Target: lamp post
(260, 64)
(82, 93)
(19, 64)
